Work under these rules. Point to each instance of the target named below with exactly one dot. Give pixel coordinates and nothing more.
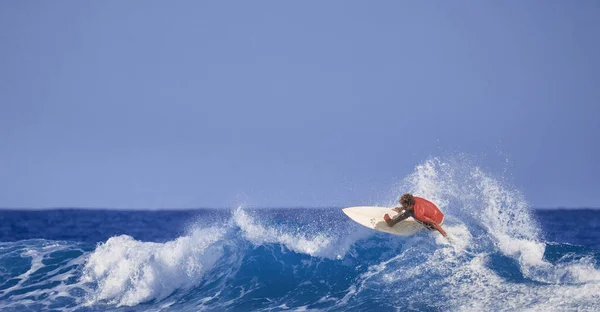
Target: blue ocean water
(503, 256)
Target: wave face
(501, 258)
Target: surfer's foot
(388, 220)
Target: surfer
(422, 210)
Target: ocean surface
(504, 256)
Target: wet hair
(407, 200)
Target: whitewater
(244, 259)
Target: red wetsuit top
(424, 208)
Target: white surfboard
(372, 217)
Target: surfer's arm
(401, 217)
(436, 226)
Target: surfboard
(372, 217)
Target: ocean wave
(128, 272)
(496, 259)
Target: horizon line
(228, 208)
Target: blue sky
(161, 104)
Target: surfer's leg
(427, 225)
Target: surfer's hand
(397, 209)
(388, 220)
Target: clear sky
(174, 104)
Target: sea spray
(128, 272)
(327, 242)
(496, 225)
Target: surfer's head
(407, 201)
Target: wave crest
(128, 272)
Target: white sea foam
(459, 237)
(333, 246)
(464, 190)
(39, 275)
(128, 272)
